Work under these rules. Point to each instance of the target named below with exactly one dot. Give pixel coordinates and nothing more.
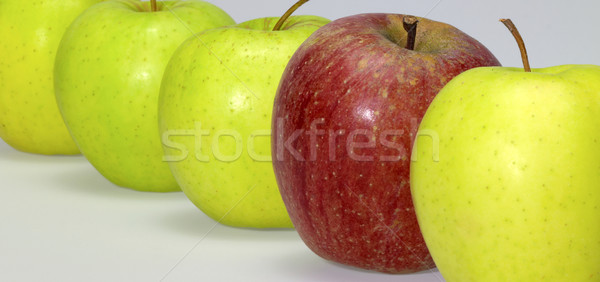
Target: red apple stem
(410, 25)
(515, 32)
(287, 14)
(153, 5)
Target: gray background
(555, 32)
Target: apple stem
(153, 5)
(287, 14)
(410, 25)
(515, 32)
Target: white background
(61, 221)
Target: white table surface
(60, 220)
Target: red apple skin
(349, 75)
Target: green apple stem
(515, 32)
(153, 5)
(288, 14)
(410, 25)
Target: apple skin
(226, 79)
(355, 74)
(108, 72)
(30, 32)
(514, 195)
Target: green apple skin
(108, 72)
(515, 195)
(226, 79)
(30, 32)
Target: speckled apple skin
(515, 195)
(109, 68)
(225, 80)
(356, 74)
(30, 32)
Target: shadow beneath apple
(193, 222)
(10, 154)
(82, 178)
(275, 235)
(187, 220)
(85, 179)
(305, 267)
(424, 273)
(67, 173)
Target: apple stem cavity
(287, 14)
(153, 5)
(515, 32)
(410, 25)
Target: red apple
(344, 120)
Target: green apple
(108, 72)
(509, 189)
(219, 87)
(30, 32)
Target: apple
(509, 190)
(344, 120)
(30, 32)
(108, 72)
(215, 114)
